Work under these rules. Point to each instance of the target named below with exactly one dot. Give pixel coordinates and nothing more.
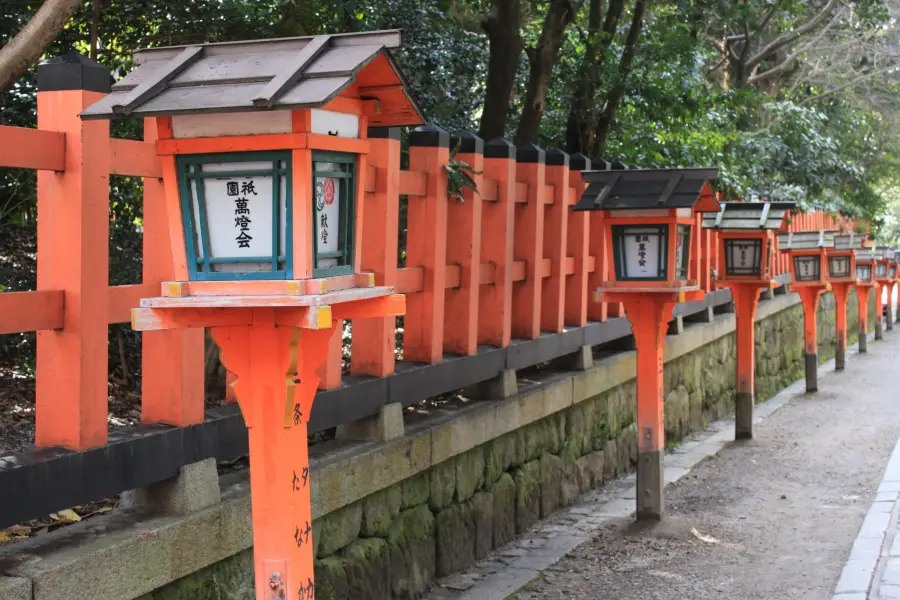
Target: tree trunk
(26, 48)
(608, 118)
(542, 58)
(95, 28)
(502, 27)
(580, 125)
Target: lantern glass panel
(640, 252)
(743, 257)
(768, 256)
(682, 252)
(807, 268)
(839, 266)
(892, 272)
(864, 272)
(236, 209)
(333, 211)
(880, 270)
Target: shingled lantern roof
(850, 241)
(805, 240)
(748, 215)
(288, 73)
(645, 189)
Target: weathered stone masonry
(393, 543)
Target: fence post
(73, 256)
(426, 246)
(374, 340)
(528, 243)
(464, 251)
(556, 225)
(495, 307)
(577, 240)
(597, 311)
(172, 362)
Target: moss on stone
(339, 529)
(415, 490)
(469, 474)
(528, 495)
(379, 510)
(442, 485)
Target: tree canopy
(794, 100)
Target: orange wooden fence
(511, 261)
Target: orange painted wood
(237, 143)
(809, 296)
(556, 230)
(497, 231)
(490, 190)
(371, 175)
(277, 372)
(518, 270)
(841, 293)
(230, 396)
(31, 311)
(426, 247)
(695, 260)
(301, 187)
(488, 275)
(73, 256)
(374, 339)
(345, 104)
(171, 391)
(174, 234)
(464, 220)
(454, 273)
(284, 287)
(134, 159)
(577, 293)
(160, 319)
(164, 130)
(597, 247)
(393, 305)
(333, 143)
(521, 192)
(25, 148)
(410, 280)
(862, 292)
(413, 183)
(544, 268)
(746, 299)
(330, 372)
(649, 317)
(122, 298)
(528, 246)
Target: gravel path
(773, 518)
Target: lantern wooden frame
(808, 244)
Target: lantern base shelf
(671, 294)
(254, 301)
(282, 287)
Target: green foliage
(459, 176)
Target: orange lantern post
(866, 265)
(883, 280)
(648, 224)
(746, 241)
(893, 274)
(807, 250)
(264, 146)
(842, 276)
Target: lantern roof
(850, 241)
(286, 73)
(748, 215)
(805, 240)
(641, 189)
(885, 252)
(865, 254)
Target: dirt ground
(770, 519)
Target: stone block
(196, 487)
(331, 579)
(386, 425)
(412, 552)
(230, 579)
(551, 479)
(443, 485)
(367, 568)
(611, 454)
(504, 514)
(528, 495)
(504, 385)
(469, 474)
(455, 533)
(415, 491)
(570, 484)
(339, 529)
(379, 510)
(483, 518)
(15, 588)
(499, 456)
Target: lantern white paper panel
(641, 251)
(864, 272)
(239, 216)
(839, 266)
(327, 192)
(328, 122)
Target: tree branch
(787, 38)
(29, 44)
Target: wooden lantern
(263, 148)
(648, 222)
(842, 258)
(808, 252)
(865, 267)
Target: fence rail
(498, 280)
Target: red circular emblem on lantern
(329, 192)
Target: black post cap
(618, 165)
(530, 153)
(557, 158)
(499, 148)
(579, 162)
(429, 136)
(384, 133)
(469, 143)
(72, 71)
(599, 164)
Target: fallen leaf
(4, 537)
(704, 538)
(65, 516)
